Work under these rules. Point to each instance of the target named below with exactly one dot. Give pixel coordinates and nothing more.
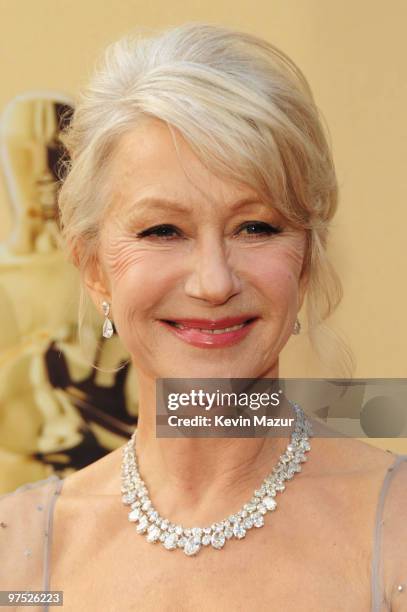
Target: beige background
(353, 54)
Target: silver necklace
(252, 514)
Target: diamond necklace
(191, 540)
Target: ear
(96, 282)
(92, 273)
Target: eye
(259, 228)
(164, 231)
(169, 232)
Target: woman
(199, 197)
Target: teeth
(213, 331)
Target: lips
(208, 333)
(211, 323)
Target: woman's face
(177, 247)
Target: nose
(212, 278)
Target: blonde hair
(245, 109)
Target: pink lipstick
(210, 333)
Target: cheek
(139, 276)
(277, 272)
(122, 258)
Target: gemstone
(258, 520)
(142, 526)
(107, 328)
(181, 542)
(218, 540)
(171, 541)
(228, 532)
(134, 515)
(248, 522)
(196, 531)
(153, 533)
(206, 539)
(242, 514)
(270, 503)
(239, 531)
(192, 546)
(128, 498)
(178, 530)
(146, 505)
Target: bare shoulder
(100, 478)
(345, 455)
(91, 491)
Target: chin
(213, 370)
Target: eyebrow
(155, 203)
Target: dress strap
(387, 518)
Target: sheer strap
(389, 561)
(26, 517)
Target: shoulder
(94, 492)
(391, 535)
(358, 480)
(30, 493)
(347, 456)
(102, 477)
(28, 507)
(345, 476)
(95, 487)
(25, 516)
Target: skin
(210, 266)
(212, 269)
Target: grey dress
(26, 529)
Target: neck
(201, 478)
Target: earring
(107, 325)
(297, 327)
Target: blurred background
(57, 413)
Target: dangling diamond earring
(107, 325)
(297, 327)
